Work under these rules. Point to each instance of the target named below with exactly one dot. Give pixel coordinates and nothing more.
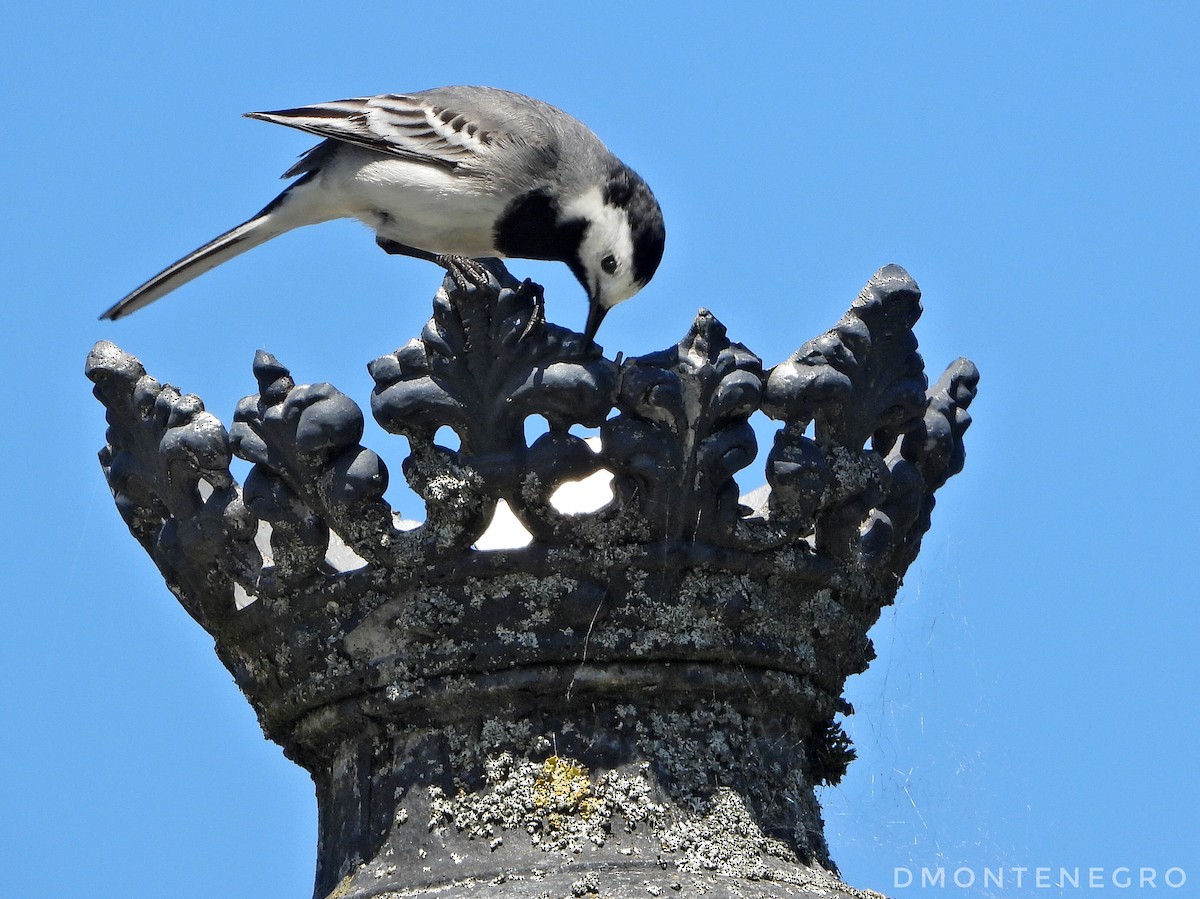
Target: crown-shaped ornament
(645, 695)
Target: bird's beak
(596, 314)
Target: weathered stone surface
(639, 702)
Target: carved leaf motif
(863, 380)
(684, 431)
(865, 377)
(167, 463)
(310, 471)
(482, 366)
(920, 464)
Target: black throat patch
(529, 229)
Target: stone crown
(775, 591)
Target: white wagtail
(454, 174)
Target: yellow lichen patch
(343, 888)
(563, 787)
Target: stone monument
(642, 700)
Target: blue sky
(1033, 166)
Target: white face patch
(607, 234)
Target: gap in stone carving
(262, 540)
(587, 494)
(535, 427)
(504, 532)
(447, 437)
(591, 435)
(754, 493)
(240, 469)
(408, 509)
(341, 557)
(241, 598)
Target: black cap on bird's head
(621, 245)
(626, 190)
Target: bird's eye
(609, 264)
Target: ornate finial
(646, 693)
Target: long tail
(280, 216)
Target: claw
(466, 273)
(538, 315)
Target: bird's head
(620, 244)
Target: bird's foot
(467, 274)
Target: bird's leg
(467, 273)
(395, 248)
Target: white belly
(422, 206)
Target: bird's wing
(429, 127)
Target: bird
(452, 175)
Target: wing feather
(401, 125)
